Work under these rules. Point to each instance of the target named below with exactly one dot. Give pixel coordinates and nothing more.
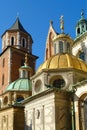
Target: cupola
(20, 88)
(81, 26)
(62, 43)
(23, 83)
(25, 71)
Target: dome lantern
(81, 26)
(62, 43)
(25, 71)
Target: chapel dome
(63, 61)
(20, 85)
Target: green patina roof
(20, 85)
(82, 20)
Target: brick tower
(16, 42)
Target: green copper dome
(20, 85)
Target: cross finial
(82, 13)
(62, 24)
(17, 14)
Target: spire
(62, 24)
(51, 22)
(17, 26)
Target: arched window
(82, 27)
(59, 83)
(68, 47)
(3, 64)
(46, 53)
(4, 43)
(55, 48)
(61, 46)
(5, 101)
(50, 43)
(3, 79)
(38, 85)
(22, 62)
(82, 56)
(23, 42)
(12, 41)
(78, 30)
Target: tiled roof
(18, 26)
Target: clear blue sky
(35, 16)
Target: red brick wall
(4, 70)
(17, 58)
(12, 60)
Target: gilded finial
(26, 59)
(62, 24)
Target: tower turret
(17, 37)
(81, 25)
(80, 42)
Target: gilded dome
(19, 85)
(63, 61)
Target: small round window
(59, 83)
(38, 85)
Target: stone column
(82, 115)
(76, 115)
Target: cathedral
(53, 97)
